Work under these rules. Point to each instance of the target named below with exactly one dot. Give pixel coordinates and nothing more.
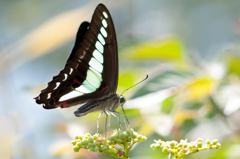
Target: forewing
(91, 71)
(110, 71)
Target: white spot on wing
(89, 86)
(92, 79)
(95, 64)
(99, 46)
(65, 77)
(103, 32)
(49, 95)
(85, 89)
(98, 56)
(104, 23)
(71, 70)
(99, 75)
(105, 14)
(70, 95)
(101, 39)
(57, 85)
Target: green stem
(192, 152)
(126, 149)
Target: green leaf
(234, 65)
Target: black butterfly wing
(91, 71)
(110, 71)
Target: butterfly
(90, 76)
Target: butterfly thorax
(107, 104)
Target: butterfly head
(121, 100)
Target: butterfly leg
(125, 117)
(109, 123)
(106, 122)
(118, 115)
(100, 115)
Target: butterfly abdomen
(107, 104)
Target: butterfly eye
(122, 100)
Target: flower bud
(144, 138)
(120, 141)
(95, 137)
(185, 150)
(91, 145)
(199, 144)
(153, 146)
(104, 147)
(91, 149)
(90, 139)
(208, 142)
(87, 135)
(190, 147)
(139, 137)
(84, 142)
(200, 140)
(75, 148)
(180, 145)
(96, 149)
(129, 132)
(120, 134)
(165, 150)
(79, 145)
(158, 146)
(193, 146)
(73, 142)
(78, 140)
(125, 135)
(97, 144)
(218, 146)
(185, 145)
(134, 134)
(214, 142)
(172, 144)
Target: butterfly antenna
(135, 84)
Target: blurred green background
(189, 49)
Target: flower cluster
(129, 136)
(184, 148)
(96, 143)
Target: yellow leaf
(197, 89)
(183, 115)
(164, 49)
